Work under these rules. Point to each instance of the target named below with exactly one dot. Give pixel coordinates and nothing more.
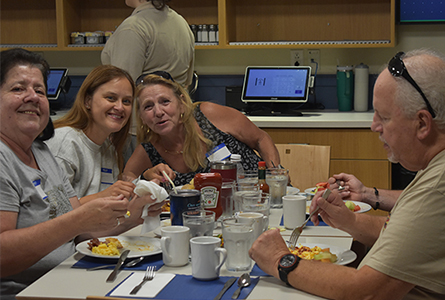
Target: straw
(168, 178)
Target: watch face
(287, 260)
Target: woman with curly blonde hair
(177, 135)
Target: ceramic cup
(175, 245)
(294, 210)
(259, 221)
(207, 257)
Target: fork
(149, 275)
(297, 230)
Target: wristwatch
(288, 262)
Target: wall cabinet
(46, 25)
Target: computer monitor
(282, 87)
(56, 82)
(420, 12)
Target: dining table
(68, 282)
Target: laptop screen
(56, 80)
(276, 84)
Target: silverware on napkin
(227, 285)
(119, 264)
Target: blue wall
(213, 88)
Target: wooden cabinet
(356, 151)
(46, 25)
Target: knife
(119, 264)
(227, 285)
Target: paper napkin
(149, 290)
(157, 192)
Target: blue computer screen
(416, 11)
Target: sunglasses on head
(397, 68)
(162, 74)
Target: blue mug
(184, 200)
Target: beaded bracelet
(377, 203)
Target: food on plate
(109, 247)
(352, 206)
(189, 186)
(166, 206)
(315, 253)
(321, 186)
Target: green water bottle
(345, 87)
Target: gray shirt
(37, 196)
(91, 168)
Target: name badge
(218, 153)
(39, 189)
(106, 176)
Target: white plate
(138, 246)
(364, 207)
(310, 191)
(290, 190)
(344, 256)
(166, 222)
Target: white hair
(427, 68)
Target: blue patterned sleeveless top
(248, 156)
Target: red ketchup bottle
(210, 186)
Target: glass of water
(200, 222)
(238, 238)
(277, 180)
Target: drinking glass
(277, 180)
(200, 222)
(238, 238)
(256, 201)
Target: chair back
(307, 164)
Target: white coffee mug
(258, 224)
(175, 245)
(294, 210)
(207, 257)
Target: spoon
(129, 264)
(243, 281)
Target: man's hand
(267, 251)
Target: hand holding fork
(297, 230)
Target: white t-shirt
(91, 168)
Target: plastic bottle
(361, 82)
(209, 184)
(262, 177)
(236, 158)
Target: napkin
(149, 290)
(157, 192)
(185, 287)
(87, 262)
(309, 223)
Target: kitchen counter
(316, 119)
(310, 119)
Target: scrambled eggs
(315, 253)
(110, 247)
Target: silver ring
(118, 222)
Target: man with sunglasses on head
(407, 255)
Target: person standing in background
(153, 38)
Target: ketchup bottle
(262, 177)
(210, 186)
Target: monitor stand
(272, 109)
